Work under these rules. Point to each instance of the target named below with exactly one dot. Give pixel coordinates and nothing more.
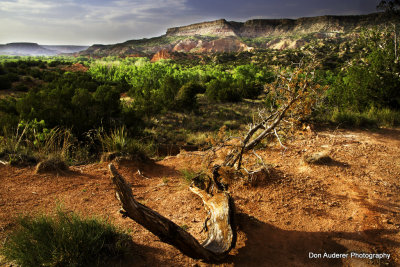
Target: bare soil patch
(349, 204)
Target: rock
(76, 67)
(219, 27)
(51, 165)
(258, 177)
(318, 158)
(226, 36)
(162, 54)
(109, 156)
(185, 46)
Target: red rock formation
(76, 67)
(218, 27)
(162, 54)
(185, 46)
(135, 55)
(223, 45)
(226, 36)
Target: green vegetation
(65, 240)
(32, 142)
(130, 105)
(365, 91)
(370, 118)
(118, 141)
(164, 85)
(188, 175)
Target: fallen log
(221, 231)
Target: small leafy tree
(371, 78)
(391, 6)
(186, 96)
(292, 97)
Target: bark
(221, 236)
(237, 155)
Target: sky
(87, 22)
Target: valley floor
(350, 205)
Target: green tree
(391, 6)
(372, 78)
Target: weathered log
(221, 235)
(221, 229)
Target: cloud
(111, 21)
(90, 21)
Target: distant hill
(64, 49)
(34, 49)
(231, 36)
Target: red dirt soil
(350, 205)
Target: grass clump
(64, 240)
(117, 141)
(197, 178)
(371, 118)
(353, 119)
(385, 117)
(188, 175)
(31, 142)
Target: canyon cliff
(230, 36)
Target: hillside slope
(231, 36)
(34, 49)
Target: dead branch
(236, 155)
(297, 86)
(279, 140)
(221, 235)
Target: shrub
(21, 88)
(115, 141)
(67, 103)
(385, 116)
(2, 70)
(13, 77)
(223, 89)
(66, 240)
(118, 141)
(371, 78)
(353, 119)
(55, 63)
(5, 83)
(32, 142)
(186, 96)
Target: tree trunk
(221, 235)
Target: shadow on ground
(267, 245)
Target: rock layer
(230, 36)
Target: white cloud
(87, 21)
(33, 6)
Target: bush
(223, 89)
(353, 119)
(373, 117)
(13, 77)
(118, 141)
(5, 83)
(186, 96)
(2, 70)
(55, 63)
(67, 102)
(66, 240)
(32, 142)
(21, 88)
(385, 116)
(371, 78)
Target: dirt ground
(351, 204)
